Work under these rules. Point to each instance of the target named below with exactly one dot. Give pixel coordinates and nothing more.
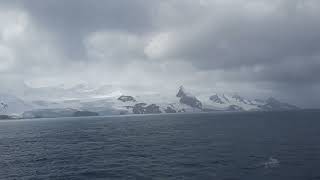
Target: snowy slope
(227, 102)
(107, 101)
(184, 101)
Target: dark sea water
(226, 146)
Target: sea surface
(218, 146)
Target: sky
(256, 48)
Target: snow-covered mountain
(103, 101)
(187, 102)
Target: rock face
(188, 99)
(240, 99)
(215, 98)
(153, 109)
(170, 110)
(126, 99)
(181, 92)
(235, 108)
(143, 108)
(225, 98)
(191, 101)
(139, 108)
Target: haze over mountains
(82, 100)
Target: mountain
(271, 104)
(235, 102)
(188, 99)
(185, 101)
(95, 102)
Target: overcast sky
(257, 48)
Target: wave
(271, 163)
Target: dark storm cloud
(277, 41)
(73, 19)
(249, 42)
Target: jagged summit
(188, 99)
(181, 92)
(238, 98)
(215, 98)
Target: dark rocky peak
(139, 108)
(215, 98)
(181, 92)
(188, 99)
(153, 109)
(225, 98)
(142, 108)
(191, 101)
(170, 110)
(235, 108)
(239, 98)
(126, 99)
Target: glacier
(81, 100)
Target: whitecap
(271, 163)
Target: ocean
(218, 146)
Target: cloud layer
(254, 47)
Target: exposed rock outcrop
(126, 99)
(215, 98)
(139, 108)
(170, 110)
(143, 108)
(239, 99)
(235, 108)
(188, 99)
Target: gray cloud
(246, 36)
(71, 20)
(254, 47)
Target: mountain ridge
(183, 101)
